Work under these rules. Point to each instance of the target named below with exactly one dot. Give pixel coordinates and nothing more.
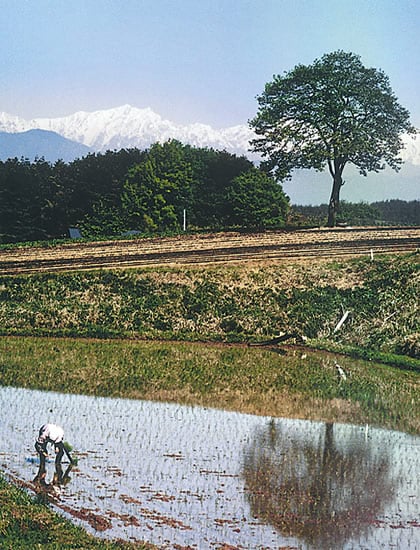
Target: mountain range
(127, 126)
(75, 135)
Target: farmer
(50, 433)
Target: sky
(191, 60)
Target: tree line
(329, 114)
(389, 212)
(147, 191)
(110, 193)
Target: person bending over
(51, 433)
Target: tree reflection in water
(323, 489)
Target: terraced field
(281, 245)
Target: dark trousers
(59, 451)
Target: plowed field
(225, 247)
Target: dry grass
(244, 303)
(209, 249)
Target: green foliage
(142, 201)
(330, 113)
(21, 191)
(213, 172)
(256, 201)
(123, 191)
(104, 220)
(157, 189)
(41, 201)
(97, 179)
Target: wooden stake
(341, 321)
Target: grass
(28, 525)
(302, 384)
(227, 304)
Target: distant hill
(40, 143)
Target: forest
(148, 192)
(145, 191)
(389, 212)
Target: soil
(228, 247)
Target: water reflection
(325, 490)
(200, 478)
(49, 491)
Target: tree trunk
(334, 199)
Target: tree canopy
(256, 200)
(112, 193)
(328, 114)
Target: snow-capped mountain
(128, 126)
(411, 151)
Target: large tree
(331, 113)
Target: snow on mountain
(13, 124)
(411, 151)
(128, 126)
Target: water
(203, 478)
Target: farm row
(210, 248)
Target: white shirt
(51, 433)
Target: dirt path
(211, 248)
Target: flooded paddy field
(193, 477)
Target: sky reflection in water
(171, 474)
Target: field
(288, 382)
(271, 282)
(224, 248)
(300, 384)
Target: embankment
(233, 303)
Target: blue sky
(191, 60)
